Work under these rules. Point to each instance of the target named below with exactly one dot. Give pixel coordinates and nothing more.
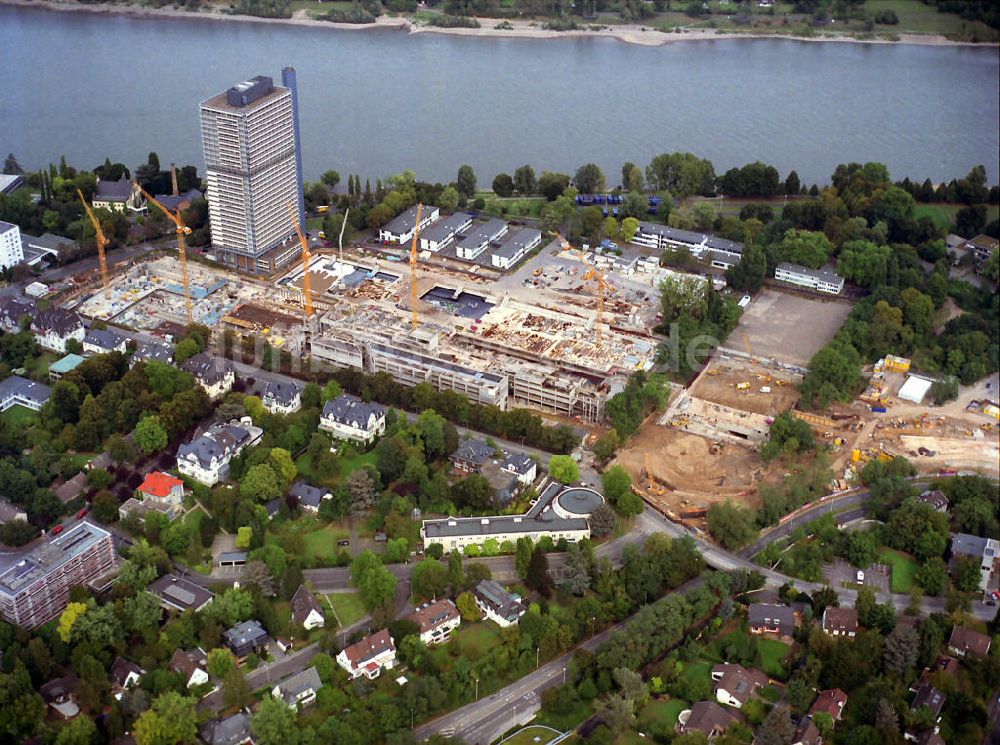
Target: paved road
(267, 675)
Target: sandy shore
(631, 34)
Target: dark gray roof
(291, 688)
(154, 350)
(473, 451)
(272, 506)
(248, 632)
(930, 697)
(58, 320)
(173, 203)
(26, 389)
(723, 258)
(229, 731)
(709, 718)
(179, 593)
(506, 605)
(217, 441)
(207, 368)
(446, 227)
(303, 603)
(964, 544)
(13, 309)
(579, 501)
(114, 191)
(121, 669)
(519, 463)
(7, 226)
(824, 273)
(104, 338)
(48, 242)
(283, 391)
(770, 614)
(514, 243)
(310, 496)
(404, 222)
(482, 232)
(353, 411)
(722, 244)
(674, 234)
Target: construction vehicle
(742, 386)
(307, 305)
(413, 267)
(182, 231)
(102, 243)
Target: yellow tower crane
(307, 302)
(102, 243)
(594, 275)
(413, 268)
(182, 230)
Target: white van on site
(861, 577)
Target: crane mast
(413, 267)
(102, 242)
(306, 289)
(182, 231)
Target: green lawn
(309, 538)
(568, 721)
(661, 714)
(473, 640)
(772, 652)
(943, 214)
(304, 464)
(348, 606)
(354, 463)
(694, 671)
(20, 417)
(904, 568)
(532, 735)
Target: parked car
(861, 577)
(57, 530)
(343, 542)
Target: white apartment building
(436, 620)
(400, 228)
(350, 418)
(822, 279)
(502, 607)
(249, 135)
(443, 232)
(11, 251)
(206, 458)
(514, 248)
(479, 237)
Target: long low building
(662, 237)
(479, 237)
(400, 228)
(823, 279)
(443, 232)
(560, 513)
(514, 247)
(18, 391)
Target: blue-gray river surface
(375, 102)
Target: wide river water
(376, 102)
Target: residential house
(124, 675)
(159, 492)
(306, 611)
(708, 718)
(369, 656)
(206, 458)
(182, 201)
(515, 247)
(966, 642)
(771, 618)
(309, 497)
(103, 341)
(734, 685)
(986, 551)
(299, 690)
(471, 454)
(932, 698)
(436, 620)
(153, 350)
(502, 607)
(840, 622)
(830, 701)
(214, 374)
(281, 396)
(233, 730)
(40, 250)
(400, 228)
(118, 196)
(10, 512)
(982, 246)
(806, 733)
(935, 498)
(55, 327)
(12, 310)
(503, 484)
(444, 231)
(245, 638)
(350, 418)
(179, 594)
(521, 466)
(191, 666)
(479, 237)
(72, 488)
(60, 694)
(18, 391)
(927, 737)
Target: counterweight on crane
(307, 304)
(182, 231)
(413, 267)
(102, 243)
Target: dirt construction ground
(684, 463)
(788, 327)
(718, 385)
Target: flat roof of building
(20, 569)
(579, 501)
(67, 363)
(482, 232)
(256, 92)
(824, 273)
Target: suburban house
(369, 656)
(443, 232)
(932, 698)
(12, 310)
(233, 730)
(982, 246)
(298, 691)
(124, 674)
(734, 685)
(522, 466)
(515, 247)
(60, 694)
(830, 701)
(771, 618)
(54, 327)
(191, 665)
(350, 418)
(153, 350)
(400, 228)
(103, 341)
(213, 374)
(840, 621)
(309, 497)
(10, 512)
(281, 397)
(18, 391)
(935, 498)
(471, 454)
(159, 492)
(118, 196)
(823, 279)
(708, 718)
(306, 610)
(436, 620)
(806, 733)
(244, 638)
(984, 550)
(965, 642)
(206, 457)
(179, 594)
(72, 488)
(502, 607)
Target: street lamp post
(477, 689)
(564, 676)
(537, 656)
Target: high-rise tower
(249, 135)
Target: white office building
(822, 279)
(249, 135)
(11, 252)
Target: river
(376, 102)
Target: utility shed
(914, 389)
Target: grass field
(304, 464)
(20, 417)
(348, 607)
(772, 652)
(532, 735)
(943, 215)
(473, 640)
(315, 542)
(660, 715)
(904, 568)
(693, 671)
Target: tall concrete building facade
(250, 138)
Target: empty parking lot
(787, 327)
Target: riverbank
(631, 34)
